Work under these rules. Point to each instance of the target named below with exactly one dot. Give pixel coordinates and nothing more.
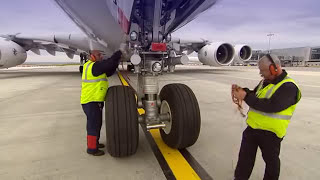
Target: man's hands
(123, 47)
(117, 55)
(238, 92)
(125, 51)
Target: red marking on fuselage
(123, 21)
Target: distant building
(299, 56)
(256, 55)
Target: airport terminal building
(299, 56)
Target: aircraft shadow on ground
(204, 71)
(20, 74)
(26, 73)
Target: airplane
(145, 27)
(13, 48)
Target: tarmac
(43, 127)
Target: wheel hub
(165, 109)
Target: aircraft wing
(189, 45)
(51, 43)
(13, 47)
(212, 53)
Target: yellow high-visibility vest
(274, 122)
(94, 88)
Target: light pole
(270, 34)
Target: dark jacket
(283, 98)
(107, 66)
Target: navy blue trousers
(93, 111)
(269, 145)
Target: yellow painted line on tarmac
(141, 111)
(177, 163)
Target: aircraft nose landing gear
(175, 111)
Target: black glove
(117, 55)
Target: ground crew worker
(272, 104)
(94, 89)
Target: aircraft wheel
(121, 121)
(184, 126)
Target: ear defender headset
(272, 68)
(93, 58)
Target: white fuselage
(96, 20)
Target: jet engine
(243, 53)
(216, 54)
(11, 54)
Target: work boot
(101, 145)
(97, 153)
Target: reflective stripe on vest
(94, 88)
(272, 115)
(274, 122)
(86, 75)
(268, 94)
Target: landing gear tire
(184, 127)
(121, 121)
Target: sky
(294, 23)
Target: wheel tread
(121, 122)
(186, 114)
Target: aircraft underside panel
(166, 16)
(108, 21)
(121, 12)
(186, 11)
(95, 19)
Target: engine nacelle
(243, 53)
(11, 54)
(216, 54)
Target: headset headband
(270, 58)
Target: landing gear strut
(175, 111)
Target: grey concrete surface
(222, 125)
(43, 131)
(42, 126)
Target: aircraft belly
(95, 19)
(188, 12)
(109, 21)
(121, 12)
